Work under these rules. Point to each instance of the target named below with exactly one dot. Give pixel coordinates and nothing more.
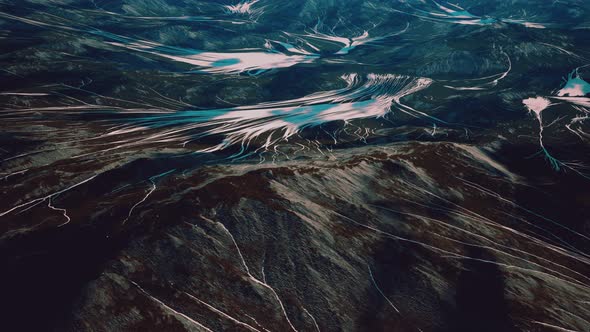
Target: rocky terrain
(183, 165)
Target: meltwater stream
(363, 97)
